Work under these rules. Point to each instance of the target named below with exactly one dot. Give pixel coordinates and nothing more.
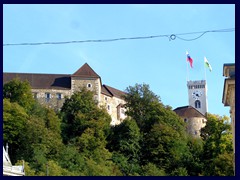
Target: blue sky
(159, 62)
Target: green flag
(207, 64)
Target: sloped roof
(188, 111)
(115, 92)
(41, 81)
(105, 91)
(86, 71)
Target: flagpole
(187, 70)
(205, 71)
(205, 85)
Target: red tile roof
(86, 71)
(105, 91)
(188, 111)
(115, 92)
(41, 81)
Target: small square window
(59, 96)
(35, 95)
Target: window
(59, 96)
(47, 97)
(35, 95)
(185, 120)
(106, 98)
(108, 107)
(197, 104)
(89, 85)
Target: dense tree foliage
(218, 149)
(19, 92)
(79, 141)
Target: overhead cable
(169, 36)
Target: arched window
(197, 104)
(89, 85)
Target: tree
(124, 142)
(139, 103)
(79, 112)
(20, 92)
(217, 139)
(164, 139)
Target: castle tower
(86, 77)
(197, 95)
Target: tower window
(89, 85)
(197, 104)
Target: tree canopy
(79, 141)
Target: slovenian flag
(189, 59)
(207, 64)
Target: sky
(159, 62)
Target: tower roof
(86, 71)
(188, 111)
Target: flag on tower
(189, 59)
(207, 64)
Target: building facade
(228, 98)
(194, 119)
(9, 169)
(52, 89)
(197, 95)
(194, 114)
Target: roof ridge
(86, 71)
(105, 86)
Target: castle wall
(53, 98)
(92, 84)
(114, 110)
(194, 125)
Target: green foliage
(152, 141)
(181, 171)
(125, 139)
(79, 112)
(14, 121)
(20, 92)
(151, 169)
(217, 146)
(139, 103)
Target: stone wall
(194, 125)
(112, 105)
(92, 84)
(54, 100)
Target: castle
(194, 114)
(52, 89)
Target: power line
(169, 36)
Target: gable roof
(41, 81)
(105, 91)
(188, 111)
(86, 71)
(115, 92)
